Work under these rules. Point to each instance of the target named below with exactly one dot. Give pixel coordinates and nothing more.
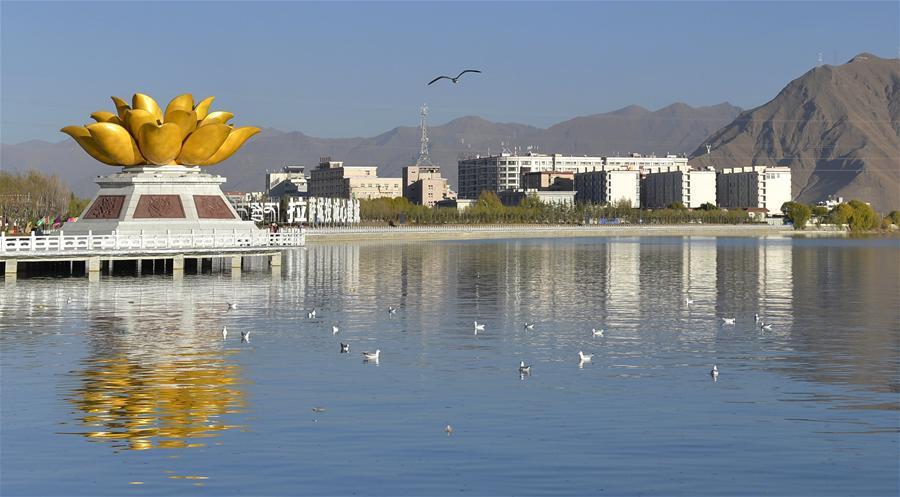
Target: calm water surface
(125, 386)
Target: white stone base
(126, 189)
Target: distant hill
(837, 127)
(676, 129)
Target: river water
(126, 387)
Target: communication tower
(424, 158)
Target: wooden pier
(65, 255)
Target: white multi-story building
(754, 187)
(663, 186)
(332, 179)
(608, 186)
(497, 173)
(638, 162)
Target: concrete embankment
(475, 232)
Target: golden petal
(202, 109)
(160, 144)
(135, 119)
(218, 116)
(121, 107)
(203, 143)
(83, 137)
(115, 142)
(181, 102)
(145, 102)
(185, 119)
(102, 116)
(235, 139)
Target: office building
(290, 182)
(549, 180)
(332, 179)
(754, 187)
(663, 186)
(424, 185)
(497, 173)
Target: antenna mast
(424, 158)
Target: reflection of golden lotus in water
(142, 133)
(158, 405)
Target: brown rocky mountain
(837, 127)
(677, 128)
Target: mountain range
(675, 129)
(836, 127)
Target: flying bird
(456, 79)
(345, 348)
(728, 320)
(245, 336)
(715, 372)
(596, 333)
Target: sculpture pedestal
(159, 199)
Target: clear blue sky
(358, 69)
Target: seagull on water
(335, 329)
(345, 348)
(523, 369)
(529, 326)
(455, 80)
(765, 326)
(727, 320)
(371, 356)
(245, 336)
(449, 430)
(478, 327)
(224, 333)
(232, 306)
(715, 372)
(596, 333)
(311, 314)
(756, 317)
(392, 310)
(688, 301)
(585, 357)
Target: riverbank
(476, 232)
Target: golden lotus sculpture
(143, 133)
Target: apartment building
(608, 187)
(664, 185)
(332, 179)
(762, 187)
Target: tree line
(489, 209)
(855, 214)
(31, 196)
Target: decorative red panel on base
(106, 207)
(159, 206)
(212, 207)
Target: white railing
(148, 242)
